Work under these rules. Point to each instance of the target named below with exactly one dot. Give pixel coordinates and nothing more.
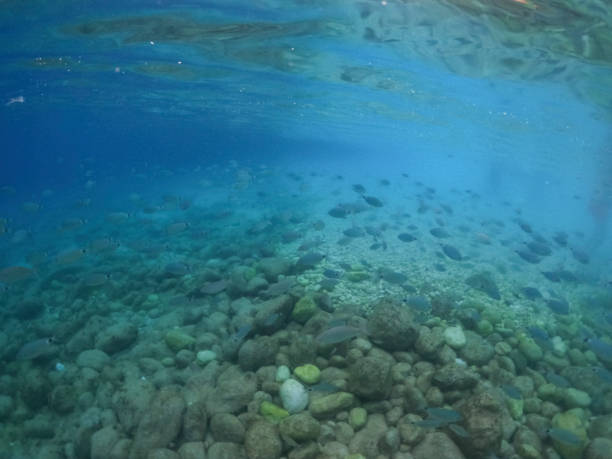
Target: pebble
(454, 337)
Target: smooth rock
(454, 337)
(294, 396)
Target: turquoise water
(196, 195)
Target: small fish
(176, 228)
(15, 100)
(602, 349)
(558, 306)
(528, 256)
(358, 188)
(324, 387)
(557, 380)
(440, 233)
(309, 261)
(12, 274)
(604, 374)
(431, 423)
(580, 256)
(95, 279)
(271, 319)
(35, 349)
(540, 336)
(177, 269)
(406, 237)
(539, 248)
(458, 430)
(241, 333)
(393, 277)
(451, 252)
(418, 302)
(332, 274)
(70, 256)
(512, 391)
(373, 201)
(531, 293)
(212, 288)
(354, 232)
(339, 334)
(444, 414)
(564, 436)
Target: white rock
(282, 373)
(204, 357)
(294, 396)
(559, 347)
(454, 337)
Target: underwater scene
(306, 229)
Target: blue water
(209, 136)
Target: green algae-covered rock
(308, 374)
(304, 309)
(331, 404)
(530, 349)
(358, 417)
(484, 327)
(177, 339)
(300, 427)
(573, 421)
(272, 412)
(515, 407)
(575, 398)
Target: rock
(601, 426)
(437, 445)
(257, 353)
(272, 267)
(192, 450)
(370, 377)
(392, 327)
(454, 377)
(358, 417)
(454, 337)
(304, 309)
(233, 391)
(102, 442)
(308, 374)
(116, 337)
(28, 309)
(484, 282)
(40, 426)
(365, 442)
(599, 448)
(575, 398)
(282, 374)
(62, 398)
(429, 341)
(227, 427)
(195, 422)
(262, 441)
(162, 453)
(302, 349)
(93, 358)
(482, 415)
(131, 401)
(529, 348)
(272, 412)
(203, 357)
(330, 405)
(160, 424)
(176, 339)
(476, 351)
(574, 421)
(35, 388)
(301, 427)
(226, 450)
(293, 395)
(6, 407)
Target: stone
(116, 337)
(366, 441)
(272, 412)
(429, 341)
(330, 405)
(476, 351)
(234, 390)
(392, 326)
(370, 377)
(130, 402)
(176, 339)
(455, 377)
(93, 358)
(272, 267)
(262, 441)
(257, 353)
(358, 417)
(6, 407)
(302, 349)
(599, 448)
(35, 388)
(308, 374)
(575, 398)
(301, 427)
(294, 396)
(40, 426)
(162, 453)
(192, 450)
(160, 424)
(437, 445)
(62, 398)
(304, 309)
(102, 441)
(195, 422)
(282, 374)
(482, 414)
(454, 337)
(574, 421)
(226, 450)
(530, 349)
(601, 426)
(227, 427)
(203, 357)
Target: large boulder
(483, 415)
(234, 389)
(370, 377)
(437, 445)
(262, 441)
(392, 327)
